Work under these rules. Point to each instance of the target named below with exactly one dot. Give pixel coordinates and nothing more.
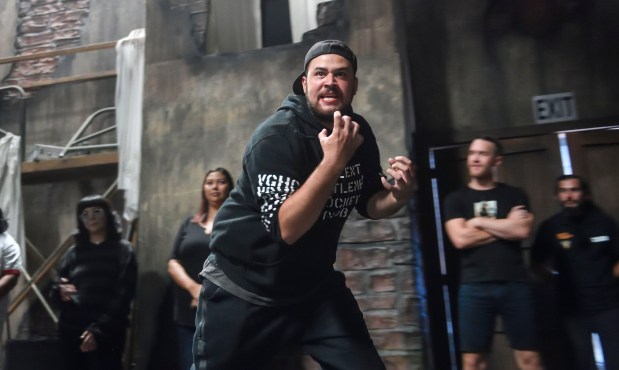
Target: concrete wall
(8, 20)
(476, 64)
(199, 112)
(54, 113)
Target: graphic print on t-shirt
(273, 190)
(346, 193)
(565, 239)
(485, 208)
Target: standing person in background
(95, 284)
(191, 247)
(486, 221)
(581, 244)
(10, 267)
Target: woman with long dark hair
(191, 248)
(95, 284)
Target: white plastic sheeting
(129, 94)
(11, 202)
(10, 188)
(302, 17)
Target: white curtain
(233, 26)
(303, 17)
(10, 189)
(129, 94)
(11, 204)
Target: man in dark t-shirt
(579, 249)
(486, 221)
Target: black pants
(107, 356)
(579, 330)
(232, 334)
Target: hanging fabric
(302, 17)
(10, 188)
(233, 26)
(11, 204)
(129, 96)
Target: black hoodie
(583, 247)
(280, 156)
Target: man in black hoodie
(270, 281)
(579, 249)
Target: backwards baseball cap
(321, 48)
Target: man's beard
(327, 117)
(573, 211)
(322, 116)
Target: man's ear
(356, 86)
(498, 160)
(304, 84)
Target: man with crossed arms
(486, 221)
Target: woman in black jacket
(95, 285)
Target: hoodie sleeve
(541, 249)
(275, 171)
(63, 270)
(114, 317)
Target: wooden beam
(70, 168)
(41, 273)
(54, 53)
(70, 79)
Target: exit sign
(554, 108)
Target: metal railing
(76, 143)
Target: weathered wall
(53, 114)
(199, 113)
(476, 65)
(8, 20)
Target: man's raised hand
(402, 172)
(340, 146)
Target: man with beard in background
(578, 248)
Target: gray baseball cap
(321, 48)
